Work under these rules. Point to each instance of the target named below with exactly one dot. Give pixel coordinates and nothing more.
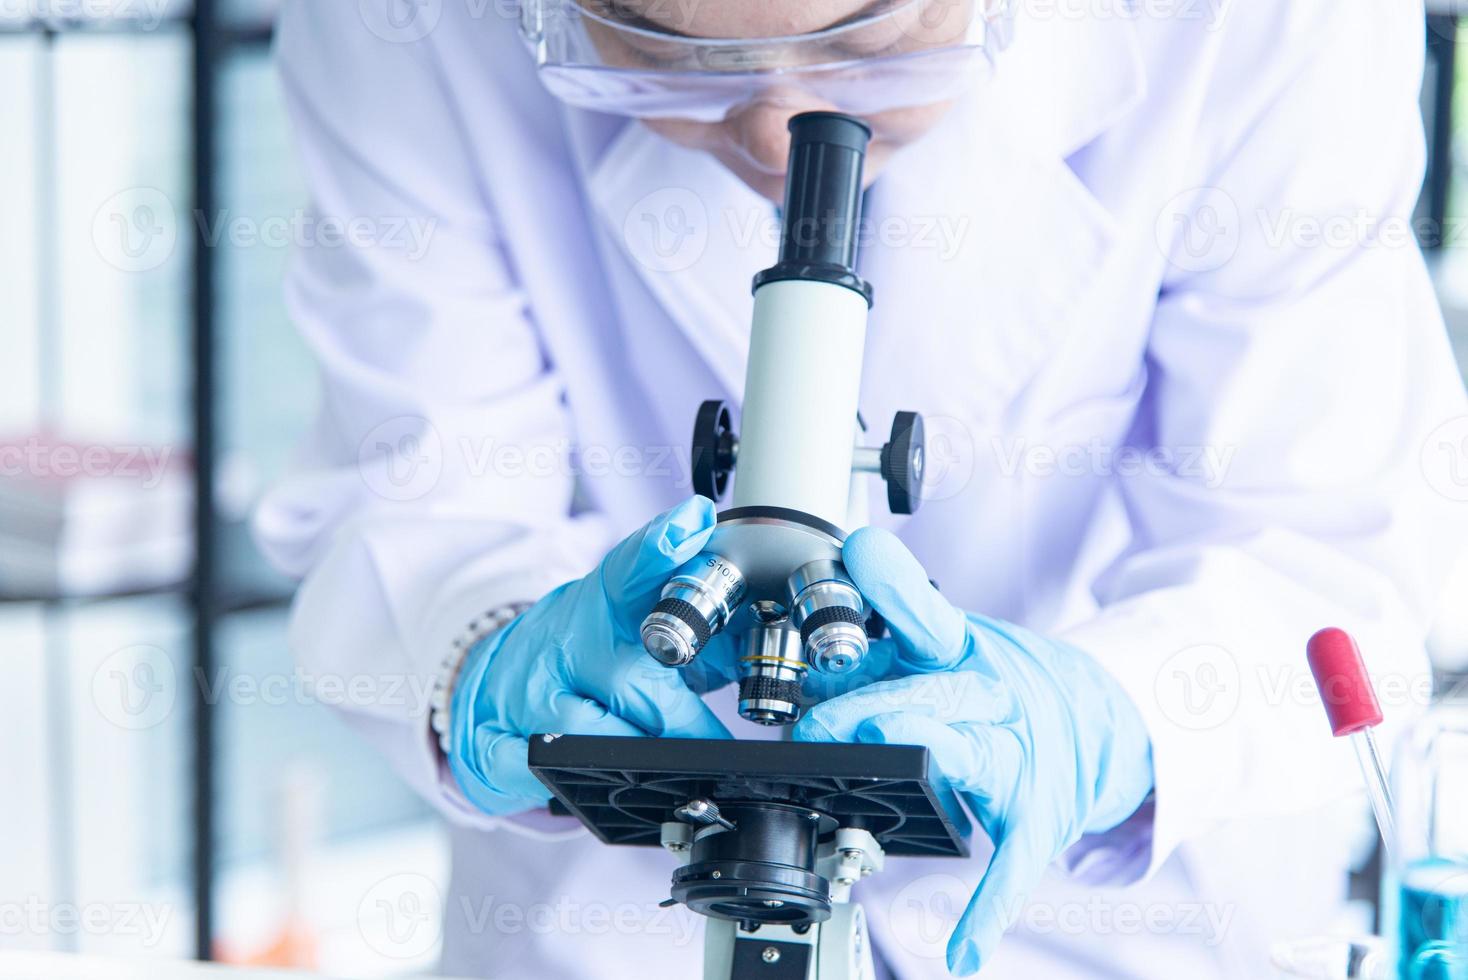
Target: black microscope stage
(624, 789)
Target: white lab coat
(1107, 251)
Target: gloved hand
(573, 663)
(1039, 740)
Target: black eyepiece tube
(823, 189)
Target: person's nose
(761, 128)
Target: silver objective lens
(770, 673)
(694, 606)
(831, 616)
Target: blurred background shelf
(176, 729)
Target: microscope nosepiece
(695, 605)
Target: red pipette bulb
(1340, 676)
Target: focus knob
(902, 463)
(715, 447)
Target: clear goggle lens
(630, 57)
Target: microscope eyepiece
(822, 212)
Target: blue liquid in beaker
(1433, 921)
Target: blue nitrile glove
(1039, 740)
(573, 663)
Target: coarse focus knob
(902, 463)
(715, 447)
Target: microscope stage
(624, 789)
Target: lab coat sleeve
(416, 505)
(1298, 349)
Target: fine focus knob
(902, 463)
(715, 447)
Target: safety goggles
(641, 57)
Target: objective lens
(831, 616)
(770, 673)
(694, 606)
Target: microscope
(772, 836)
(772, 570)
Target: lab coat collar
(695, 235)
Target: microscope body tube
(797, 442)
(800, 398)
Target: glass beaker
(1430, 790)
